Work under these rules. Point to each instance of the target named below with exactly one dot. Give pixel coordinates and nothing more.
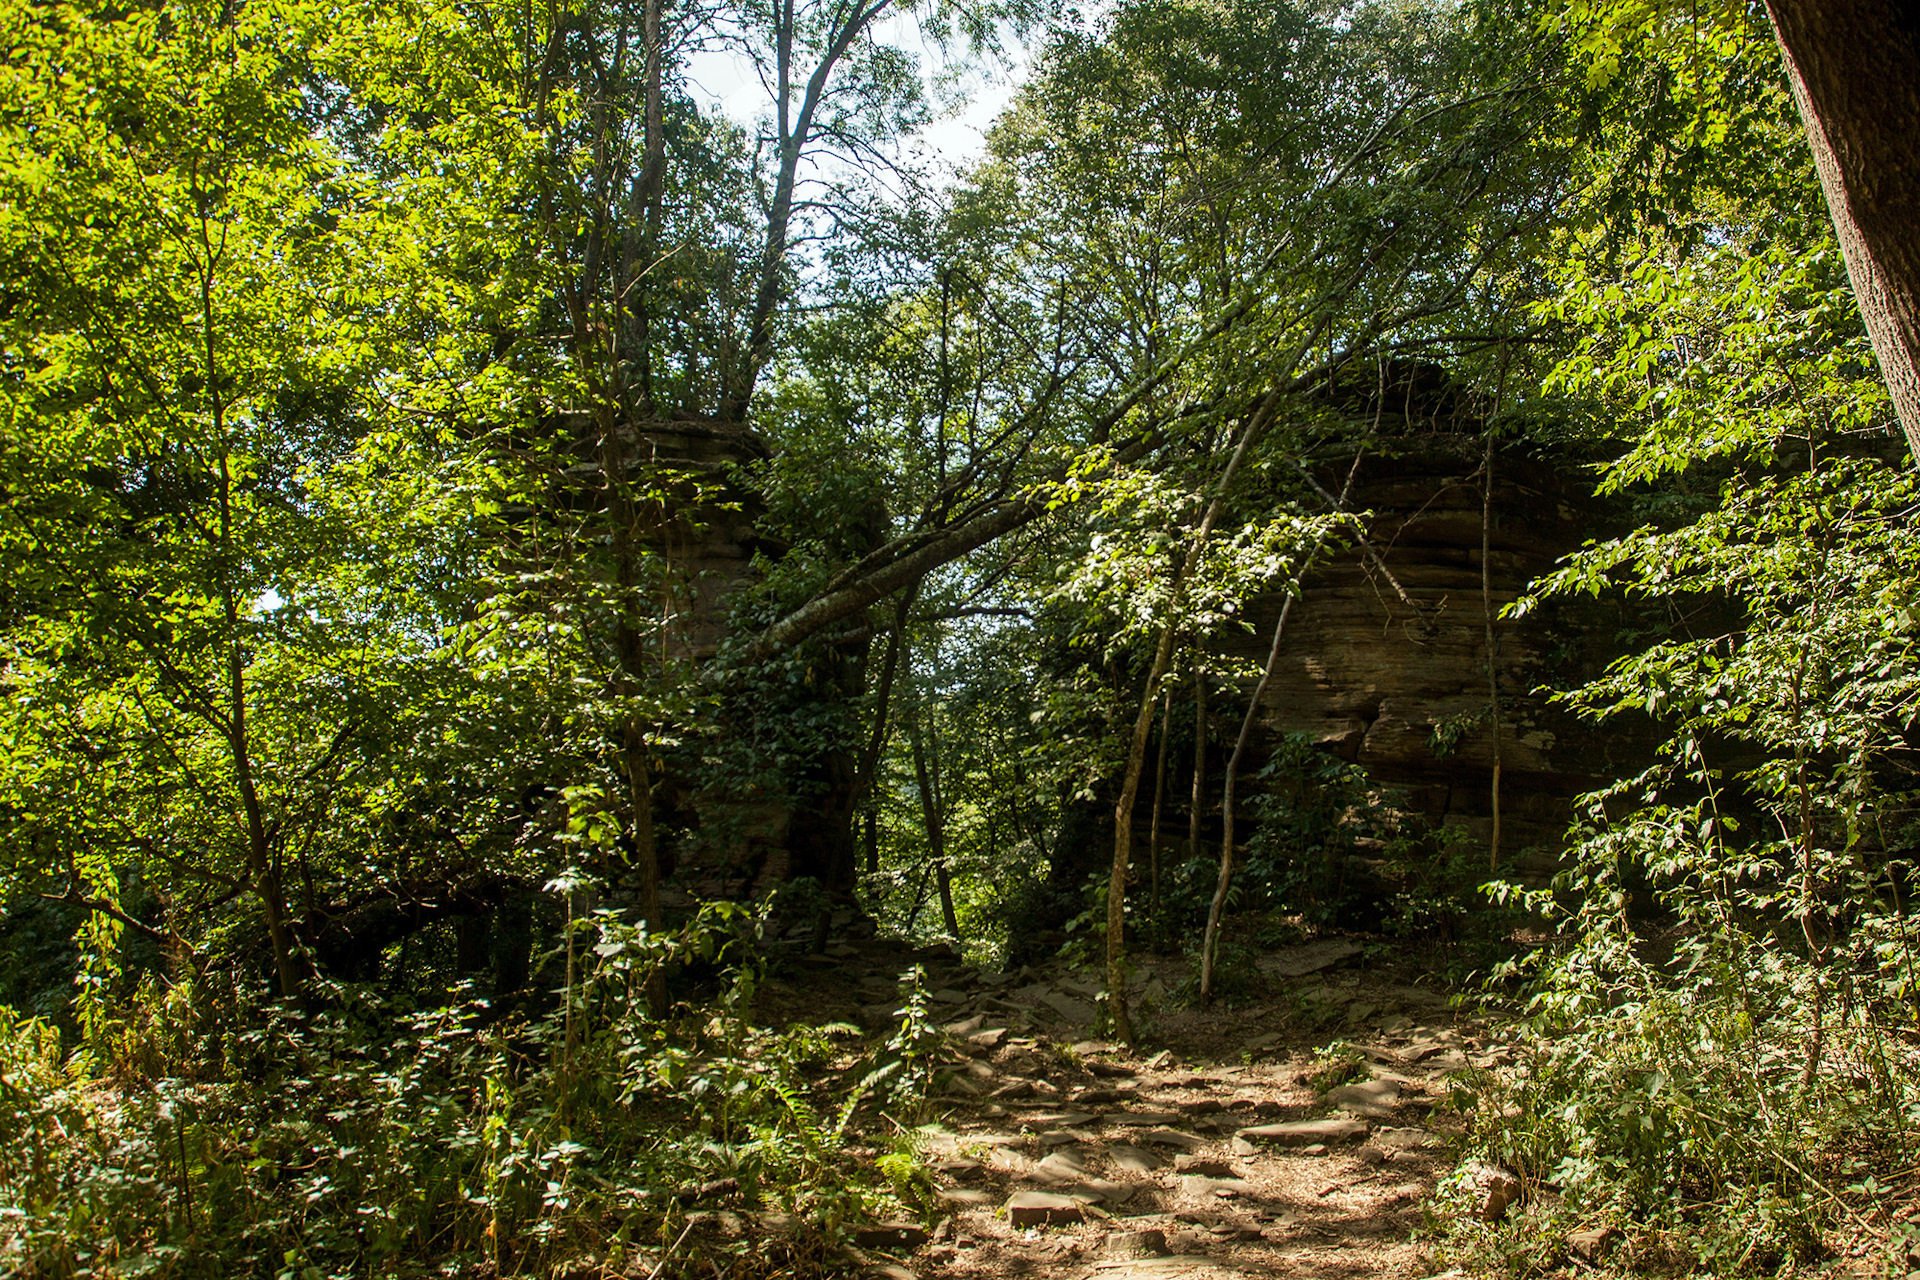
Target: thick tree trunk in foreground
(1855, 69)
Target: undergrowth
(1713, 1120)
(206, 1130)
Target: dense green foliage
(372, 1137)
(1722, 1049)
(371, 378)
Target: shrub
(210, 1131)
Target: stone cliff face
(1386, 670)
(740, 837)
(1402, 688)
(713, 540)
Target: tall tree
(1701, 83)
(1855, 69)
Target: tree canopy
(495, 547)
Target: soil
(1054, 1154)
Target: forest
(1305, 664)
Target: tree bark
(906, 560)
(1197, 805)
(1143, 723)
(877, 740)
(1159, 802)
(1210, 940)
(1123, 841)
(262, 868)
(935, 820)
(1493, 655)
(1855, 70)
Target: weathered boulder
(1400, 686)
(1494, 1189)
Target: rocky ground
(1222, 1146)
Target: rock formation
(1402, 688)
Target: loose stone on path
(1174, 1138)
(1133, 1159)
(1301, 1133)
(1041, 1208)
(1375, 1099)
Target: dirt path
(1211, 1158)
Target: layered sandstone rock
(1402, 689)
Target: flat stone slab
(1077, 1012)
(1061, 1166)
(1406, 1139)
(1058, 1119)
(1174, 1138)
(1133, 1159)
(1062, 1137)
(890, 1235)
(1010, 1160)
(1305, 1133)
(1042, 1208)
(1298, 962)
(1098, 1191)
(1150, 1116)
(1151, 1243)
(1199, 1184)
(1177, 1267)
(1373, 1098)
(1446, 1060)
(1427, 1043)
(964, 1198)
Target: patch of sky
(967, 94)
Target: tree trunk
(931, 815)
(1143, 726)
(943, 880)
(646, 859)
(1198, 804)
(1210, 941)
(1493, 657)
(1159, 804)
(877, 740)
(1855, 70)
(1123, 841)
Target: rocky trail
(1222, 1147)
